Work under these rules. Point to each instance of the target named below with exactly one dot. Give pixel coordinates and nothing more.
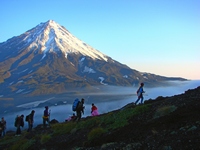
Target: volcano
(48, 59)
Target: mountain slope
(48, 59)
(163, 123)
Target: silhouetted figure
(46, 116)
(80, 109)
(140, 92)
(3, 127)
(30, 121)
(19, 122)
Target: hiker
(94, 110)
(80, 109)
(19, 122)
(30, 121)
(46, 116)
(3, 127)
(0, 129)
(71, 118)
(140, 92)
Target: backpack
(138, 92)
(15, 124)
(16, 121)
(75, 104)
(27, 118)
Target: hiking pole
(49, 114)
(49, 117)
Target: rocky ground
(173, 123)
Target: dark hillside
(166, 123)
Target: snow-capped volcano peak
(52, 37)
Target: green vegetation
(63, 128)
(165, 110)
(110, 121)
(94, 127)
(45, 138)
(96, 132)
(21, 143)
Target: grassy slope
(158, 124)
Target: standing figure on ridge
(46, 117)
(30, 121)
(3, 126)
(140, 92)
(19, 122)
(80, 109)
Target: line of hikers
(78, 107)
(19, 120)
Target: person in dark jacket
(3, 126)
(46, 116)
(0, 129)
(19, 122)
(140, 92)
(30, 121)
(80, 109)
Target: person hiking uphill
(30, 121)
(140, 92)
(19, 122)
(80, 109)
(46, 117)
(3, 126)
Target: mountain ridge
(48, 59)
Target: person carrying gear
(140, 92)
(46, 117)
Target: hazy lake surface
(61, 112)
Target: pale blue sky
(155, 36)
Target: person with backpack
(3, 127)
(0, 129)
(94, 110)
(19, 122)
(80, 109)
(140, 92)
(30, 120)
(46, 117)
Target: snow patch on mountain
(11, 83)
(66, 55)
(20, 90)
(101, 80)
(89, 70)
(125, 76)
(51, 37)
(20, 81)
(81, 61)
(43, 56)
